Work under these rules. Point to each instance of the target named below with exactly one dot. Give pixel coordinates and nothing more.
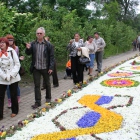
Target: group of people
(77, 47)
(43, 65)
(136, 43)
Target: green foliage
(61, 22)
(112, 11)
(22, 27)
(6, 20)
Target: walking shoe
(80, 83)
(13, 115)
(48, 100)
(1, 119)
(43, 88)
(18, 99)
(55, 86)
(96, 70)
(36, 105)
(9, 103)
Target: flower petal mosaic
(119, 83)
(120, 74)
(106, 107)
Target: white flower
(130, 129)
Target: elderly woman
(77, 68)
(9, 75)
(90, 44)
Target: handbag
(21, 71)
(84, 60)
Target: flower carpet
(106, 108)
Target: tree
(128, 8)
(136, 23)
(11, 3)
(111, 15)
(79, 5)
(6, 21)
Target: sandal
(13, 115)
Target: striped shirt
(40, 62)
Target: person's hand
(28, 45)
(71, 41)
(79, 49)
(8, 78)
(50, 72)
(21, 58)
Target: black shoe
(48, 100)
(36, 105)
(55, 86)
(99, 71)
(43, 88)
(1, 119)
(96, 70)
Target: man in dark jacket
(54, 74)
(42, 64)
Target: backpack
(138, 39)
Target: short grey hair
(41, 28)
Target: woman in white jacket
(9, 75)
(90, 44)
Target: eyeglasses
(39, 33)
(10, 40)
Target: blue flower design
(104, 100)
(89, 119)
(71, 139)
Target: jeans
(37, 77)
(8, 92)
(91, 63)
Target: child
(68, 68)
